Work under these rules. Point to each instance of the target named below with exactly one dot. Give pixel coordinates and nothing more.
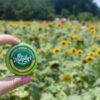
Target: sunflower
(65, 43)
(66, 78)
(91, 53)
(73, 51)
(85, 61)
(89, 59)
(40, 52)
(69, 43)
(80, 52)
(98, 52)
(94, 47)
(57, 51)
(92, 29)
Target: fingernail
(26, 80)
(18, 40)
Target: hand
(11, 83)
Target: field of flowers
(68, 60)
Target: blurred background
(49, 9)
(66, 36)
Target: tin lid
(21, 59)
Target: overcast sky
(98, 2)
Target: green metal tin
(21, 59)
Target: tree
(45, 9)
(85, 16)
(65, 13)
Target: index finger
(9, 39)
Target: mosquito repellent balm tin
(21, 59)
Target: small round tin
(21, 59)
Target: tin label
(22, 58)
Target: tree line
(48, 9)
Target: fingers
(8, 39)
(12, 83)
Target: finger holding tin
(13, 82)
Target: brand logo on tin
(22, 60)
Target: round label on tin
(21, 59)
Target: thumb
(12, 83)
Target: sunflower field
(68, 60)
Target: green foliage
(68, 60)
(86, 16)
(45, 9)
(65, 13)
(72, 17)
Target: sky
(98, 2)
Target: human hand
(11, 83)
